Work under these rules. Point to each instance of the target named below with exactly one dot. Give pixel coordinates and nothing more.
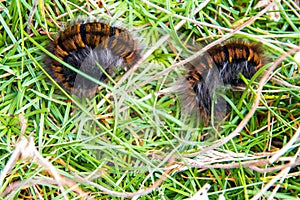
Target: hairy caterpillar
(87, 45)
(220, 65)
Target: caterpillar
(87, 45)
(220, 65)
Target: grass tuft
(129, 140)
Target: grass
(123, 139)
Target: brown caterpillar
(220, 65)
(86, 46)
